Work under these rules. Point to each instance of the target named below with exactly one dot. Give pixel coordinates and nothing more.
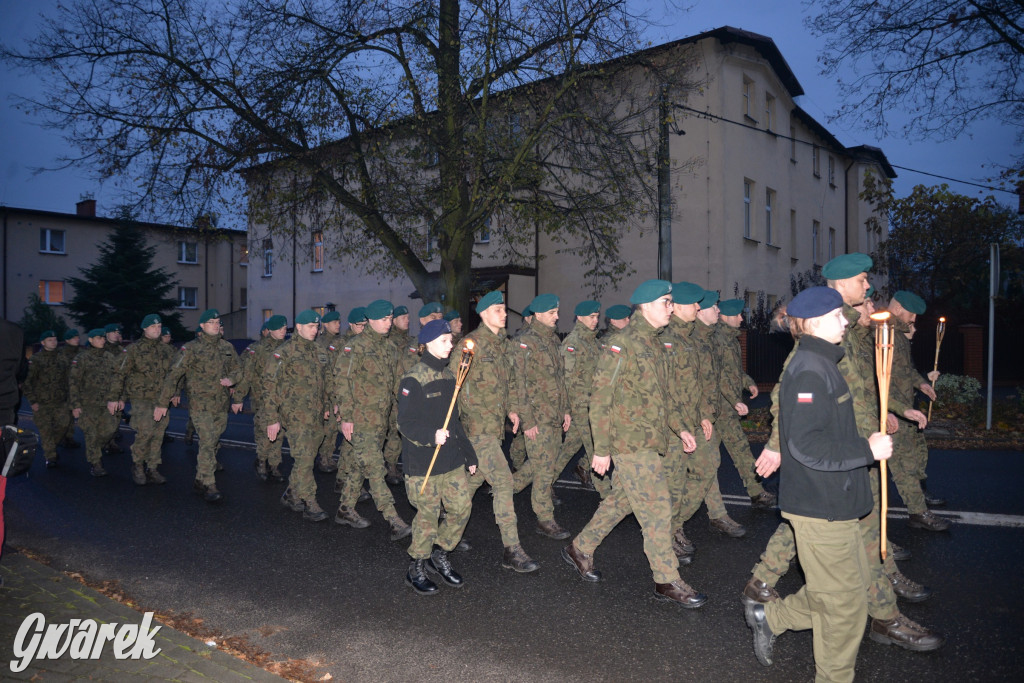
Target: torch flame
(469, 346)
(880, 316)
(942, 320)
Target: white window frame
(831, 170)
(769, 199)
(183, 293)
(816, 160)
(46, 241)
(748, 93)
(483, 236)
(183, 248)
(748, 187)
(268, 258)
(769, 110)
(815, 242)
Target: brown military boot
(212, 495)
(727, 526)
(682, 554)
(399, 529)
(289, 500)
(393, 478)
(138, 474)
(313, 512)
(516, 559)
(906, 589)
(552, 530)
(906, 634)
(581, 562)
(583, 474)
(758, 591)
(275, 473)
(928, 521)
(347, 515)
(680, 593)
(153, 476)
(680, 537)
(763, 501)
(261, 468)
(97, 470)
(899, 553)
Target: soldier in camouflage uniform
(408, 353)
(297, 401)
(139, 380)
(910, 452)
(543, 407)
(90, 389)
(579, 353)
(329, 340)
(847, 274)
(211, 367)
(255, 360)
(633, 414)
(734, 382)
(71, 348)
(455, 321)
(46, 390)
(114, 336)
(488, 396)
(517, 449)
(356, 324)
(364, 385)
(424, 395)
(618, 319)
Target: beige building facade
(760, 192)
(42, 250)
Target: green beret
(276, 322)
(70, 334)
(709, 300)
(687, 293)
(910, 301)
(542, 303)
(112, 327)
(97, 332)
(208, 315)
(151, 319)
(847, 266)
(381, 308)
(430, 309)
(399, 310)
(263, 326)
(650, 290)
(731, 306)
(489, 299)
(46, 334)
(165, 331)
(357, 315)
(527, 312)
(331, 316)
(618, 312)
(305, 317)
(452, 315)
(587, 308)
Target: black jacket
(824, 460)
(424, 395)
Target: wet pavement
(336, 595)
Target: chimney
(86, 207)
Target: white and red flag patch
(405, 392)
(807, 397)
(523, 346)
(616, 349)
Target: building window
(188, 252)
(51, 241)
(750, 300)
(268, 257)
(267, 314)
(769, 111)
(831, 243)
(747, 188)
(832, 170)
(318, 251)
(244, 297)
(748, 96)
(484, 235)
(769, 200)
(187, 297)
(816, 242)
(792, 234)
(815, 161)
(52, 291)
(792, 144)
(243, 255)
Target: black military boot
(393, 478)
(442, 566)
(261, 469)
(212, 495)
(289, 500)
(313, 512)
(905, 633)
(153, 476)
(907, 589)
(274, 473)
(417, 578)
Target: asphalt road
(336, 595)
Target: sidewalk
(30, 587)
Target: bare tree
(399, 128)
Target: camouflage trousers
(517, 450)
(781, 550)
(69, 431)
(304, 442)
(209, 426)
(345, 459)
(99, 427)
(543, 452)
(52, 422)
(330, 443)
(393, 442)
(674, 467)
(701, 475)
(578, 437)
(907, 465)
(493, 468)
(266, 450)
(149, 434)
(190, 428)
(454, 491)
(640, 488)
(366, 463)
(832, 600)
(730, 431)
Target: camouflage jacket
(255, 360)
(408, 350)
(632, 401)
(708, 370)
(295, 384)
(202, 363)
(69, 352)
(90, 376)
(905, 378)
(734, 381)
(540, 378)
(685, 385)
(579, 358)
(364, 381)
(142, 370)
(330, 341)
(47, 381)
(489, 393)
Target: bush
(957, 389)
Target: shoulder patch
(74, 361)
(250, 350)
(668, 345)
(277, 355)
(332, 347)
(348, 349)
(405, 392)
(615, 349)
(805, 397)
(182, 348)
(570, 349)
(523, 345)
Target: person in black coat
(424, 395)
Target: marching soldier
(46, 390)
(255, 360)
(71, 348)
(330, 340)
(407, 350)
(114, 337)
(618, 318)
(90, 389)
(517, 449)
(632, 411)
(428, 312)
(211, 367)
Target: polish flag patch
(616, 349)
(570, 349)
(523, 346)
(668, 345)
(405, 392)
(805, 398)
